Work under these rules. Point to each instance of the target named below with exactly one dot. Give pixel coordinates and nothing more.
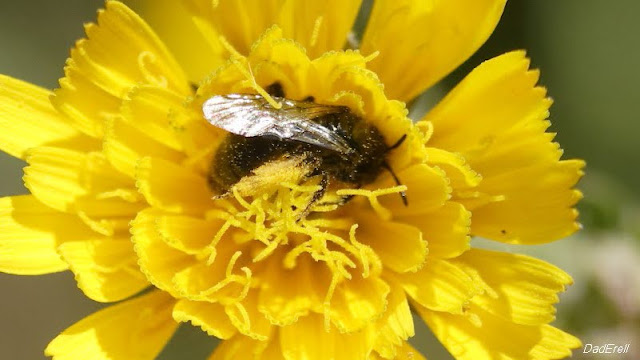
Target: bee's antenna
(403, 194)
(397, 143)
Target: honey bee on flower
(286, 203)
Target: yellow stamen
(229, 279)
(245, 69)
(102, 226)
(232, 50)
(359, 246)
(372, 196)
(247, 285)
(316, 31)
(371, 56)
(240, 199)
(216, 240)
(336, 224)
(232, 262)
(124, 194)
(327, 302)
(246, 321)
(273, 219)
(474, 319)
(146, 61)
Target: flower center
(275, 219)
(290, 201)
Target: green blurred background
(589, 54)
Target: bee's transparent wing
(251, 115)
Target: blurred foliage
(587, 51)
(593, 298)
(189, 342)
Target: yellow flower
(119, 157)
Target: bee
(337, 144)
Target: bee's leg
(403, 194)
(324, 183)
(397, 143)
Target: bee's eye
(275, 89)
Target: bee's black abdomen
(238, 156)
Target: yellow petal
(124, 145)
(84, 103)
(28, 120)
(187, 234)
(395, 326)
(158, 261)
(496, 119)
(427, 190)
(240, 22)
(187, 274)
(440, 285)
(106, 269)
(318, 26)
(244, 316)
(538, 209)
(273, 58)
(446, 229)
(356, 302)
(73, 181)
(338, 78)
(422, 41)
(120, 52)
(282, 303)
(30, 234)
(494, 97)
(460, 174)
(175, 26)
(134, 329)
(523, 289)
(405, 352)
(307, 339)
(209, 316)
(151, 110)
(244, 347)
(399, 246)
(171, 187)
(223, 280)
(484, 338)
